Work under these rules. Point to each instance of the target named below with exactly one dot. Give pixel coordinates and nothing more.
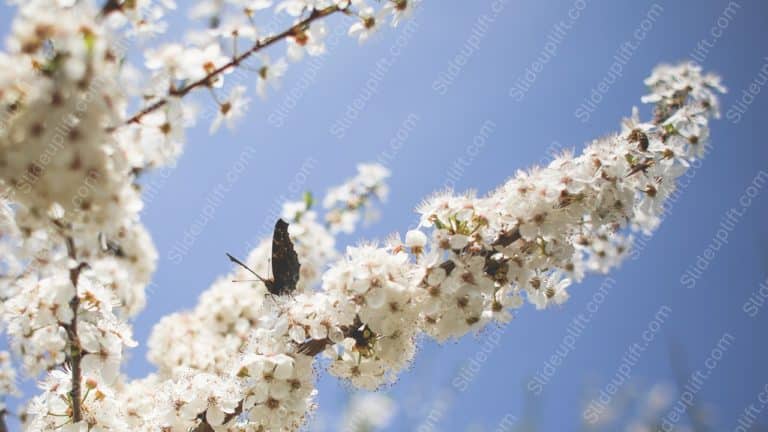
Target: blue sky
(439, 122)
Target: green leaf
(309, 200)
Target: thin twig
(258, 46)
(75, 349)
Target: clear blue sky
(522, 131)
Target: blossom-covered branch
(296, 31)
(473, 260)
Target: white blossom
(270, 73)
(231, 109)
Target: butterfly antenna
(241, 264)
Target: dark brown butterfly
(285, 262)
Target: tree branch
(75, 349)
(258, 46)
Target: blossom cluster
(64, 165)
(77, 259)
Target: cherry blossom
(231, 109)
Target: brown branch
(75, 349)
(3, 425)
(295, 29)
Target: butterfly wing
(285, 261)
